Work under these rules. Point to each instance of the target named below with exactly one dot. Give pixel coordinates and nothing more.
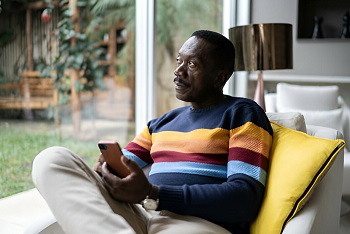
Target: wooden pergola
(41, 4)
(38, 5)
(74, 73)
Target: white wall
(326, 58)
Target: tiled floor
(19, 212)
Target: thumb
(130, 164)
(106, 174)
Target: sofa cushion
(293, 120)
(301, 97)
(297, 163)
(329, 119)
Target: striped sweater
(210, 163)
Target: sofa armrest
(322, 212)
(345, 121)
(46, 225)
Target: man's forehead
(188, 46)
(193, 47)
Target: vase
(345, 32)
(317, 33)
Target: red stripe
(139, 151)
(172, 156)
(248, 156)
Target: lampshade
(262, 46)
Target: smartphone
(112, 153)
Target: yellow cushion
(297, 163)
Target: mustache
(181, 81)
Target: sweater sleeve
(139, 149)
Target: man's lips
(180, 82)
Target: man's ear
(221, 79)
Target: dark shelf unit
(332, 12)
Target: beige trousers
(79, 201)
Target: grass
(18, 148)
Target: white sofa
(321, 214)
(322, 106)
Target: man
(209, 161)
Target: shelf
(104, 43)
(332, 13)
(302, 78)
(107, 63)
(323, 40)
(120, 41)
(103, 63)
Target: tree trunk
(28, 114)
(112, 52)
(131, 75)
(74, 73)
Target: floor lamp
(261, 47)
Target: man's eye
(191, 65)
(178, 61)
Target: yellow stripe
(144, 139)
(251, 129)
(259, 139)
(217, 146)
(200, 134)
(208, 140)
(255, 144)
(199, 140)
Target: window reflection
(107, 112)
(176, 20)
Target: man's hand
(98, 165)
(133, 188)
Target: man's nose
(180, 69)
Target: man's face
(196, 74)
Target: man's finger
(107, 175)
(132, 165)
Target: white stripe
(190, 168)
(133, 157)
(239, 167)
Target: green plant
(108, 14)
(82, 55)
